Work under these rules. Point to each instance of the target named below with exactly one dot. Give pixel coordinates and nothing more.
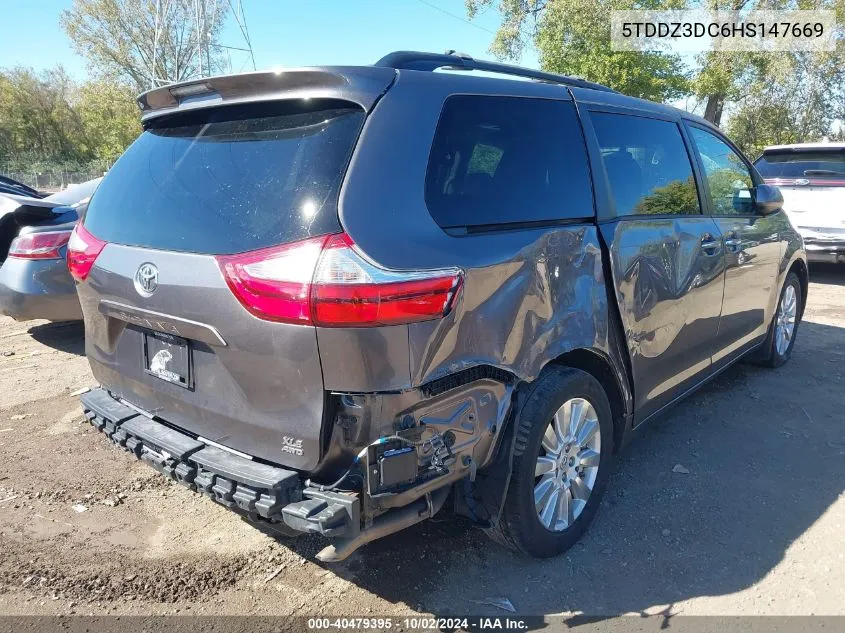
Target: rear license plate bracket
(168, 358)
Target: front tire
(562, 456)
(777, 348)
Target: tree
(716, 81)
(36, 114)
(725, 76)
(573, 37)
(110, 119)
(146, 42)
(49, 122)
(788, 98)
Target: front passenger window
(728, 177)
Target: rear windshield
(229, 180)
(825, 166)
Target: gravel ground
(755, 527)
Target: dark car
(328, 298)
(34, 279)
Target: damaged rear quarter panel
(529, 295)
(548, 299)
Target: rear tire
(777, 348)
(563, 447)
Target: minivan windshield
(230, 179)
(821, 167)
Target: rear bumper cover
(259, 491)
(38, 289)
(25, 307)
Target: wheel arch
(799, 267)
(600, 367)
(494, 481)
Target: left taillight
(350, 291)
(274, 283)
(82, 251)
(326, 281)
(39, 245)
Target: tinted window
(648, 168)
(507, 159)
(821, 167)
(729, 180)
(229, 180)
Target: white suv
(812, 179)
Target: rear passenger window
(497, 160)
(648, 168)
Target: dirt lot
(756, 526)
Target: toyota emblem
(146, 279)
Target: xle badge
(291, 445)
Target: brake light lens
(274, 283)
(349, 291)
(39, 245)
(82, 251)
(325, 281)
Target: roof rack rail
(413, 60)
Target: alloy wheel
(568, 464)
(785, 323)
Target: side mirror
(767, 199)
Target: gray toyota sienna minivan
(333, 298)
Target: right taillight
(82, 250)
(325, 281)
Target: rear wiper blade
(823, 172)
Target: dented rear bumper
(452, 428)
(260, 492)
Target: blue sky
(283, 32)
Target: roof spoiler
(26, 207)
(362, 85)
